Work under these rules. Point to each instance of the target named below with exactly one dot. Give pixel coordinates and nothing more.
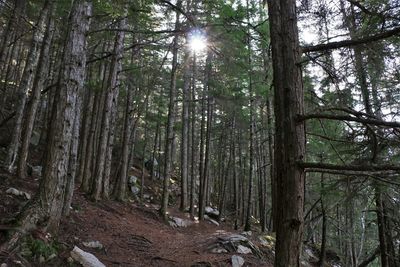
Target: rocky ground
(126, 234)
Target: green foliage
(36, 248)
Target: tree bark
(112, 87)
(169, 135)
(37, 87)
(289, 133)
(185, 131)
(47, 205)
(25, 85)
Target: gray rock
(211, 220)
(4, 265)
(132, 180)
(234, 238)
(219, 250)
(85, 259)
(248, 233)
(212, 211)
(135, 190)
(37, 171)
(93, 244)
(17, 192)
(243, 250)
(171, 223)
(237, 261)
(180, 222)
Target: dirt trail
(133, 235)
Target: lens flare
(197, 41)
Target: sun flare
(197, 42)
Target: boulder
(85, 259)
(211, 220)
(211, 211)
(178, 222)
(235, 243)
(237, 261)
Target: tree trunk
(290, 134)
(185, 131)
(322, 256)
(112, 87)
(193, 144)
(25, 85)
(123, 174)
(48, 204)
(38, 85)
(247, 226)
(204, 140)
(169, 135)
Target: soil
(132, 234)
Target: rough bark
(25, 85)
(169, 135)
(38, 86)
(112, 86)
(247, 225)
(193, 144)
(125, 139)
(290, 134)
(185, 131)
(205, 132)
(47, 206)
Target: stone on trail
(237, 261)
(211, 220)
(210, 210)
(233, 238)
(85, 259)
(17, 192)
(178, 222)
(219, 250)
(93, 244)
(248, 233)
(243, 250)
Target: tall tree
(169, 135)
(290, 133)
(25, 86)
(47, 204)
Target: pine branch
(356, 168)
(371, 121)
(349, 43)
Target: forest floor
(132, 234)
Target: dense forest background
(283, 115)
